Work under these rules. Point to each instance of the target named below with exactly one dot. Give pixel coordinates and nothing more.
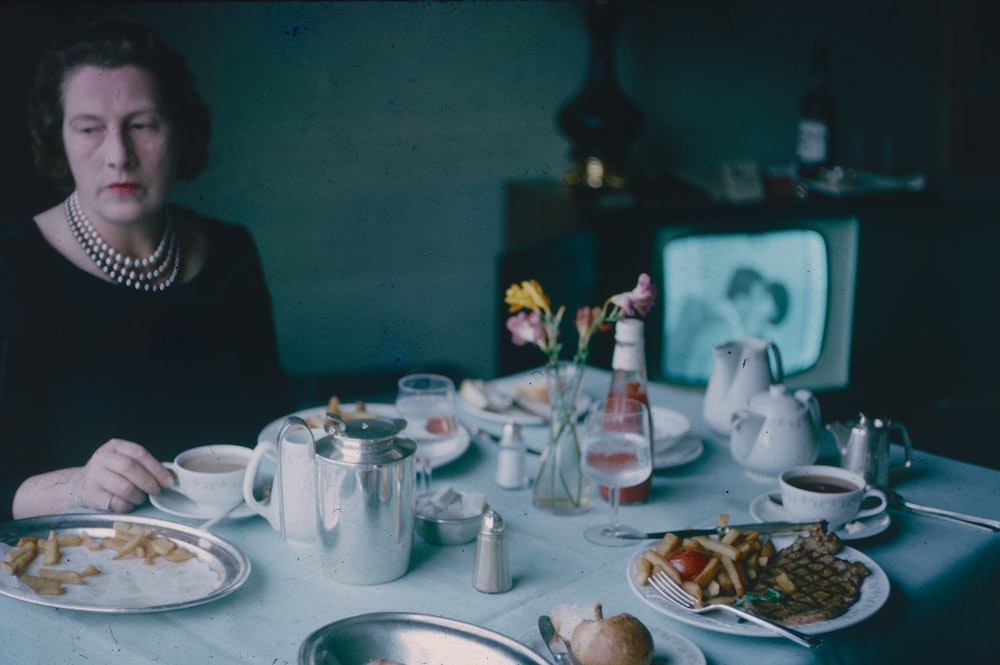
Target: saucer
(175, 503)
(439, 453)
(686, 450)
(764, 510)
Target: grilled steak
(825, 586)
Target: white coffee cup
(819, 492)
(211, 476)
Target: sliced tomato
(688, 562)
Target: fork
(676, 595)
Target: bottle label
(631, 358)
(813, 141)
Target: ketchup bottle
(628, 380)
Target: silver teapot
(350, 494)
(864, 448)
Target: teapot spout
(746, 428)
(841, 433)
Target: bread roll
(538, 392)
(619, 640)
(565, 618)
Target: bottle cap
(629, 331)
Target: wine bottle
(817, 118)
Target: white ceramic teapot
(776, 431)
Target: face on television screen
(720, 287)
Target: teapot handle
(777, 372)
(273, 507)
(908, 447)
(267, 507)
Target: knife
(560, 652)
(897, 501)
(762, 527)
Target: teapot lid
(365, 441)
(364, 429)
(777, 401)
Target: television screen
(790, 282)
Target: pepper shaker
(510, 458)
(491, 573)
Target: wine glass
(616, 452)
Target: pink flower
(585, 318)
(526, 328)
(638, 300)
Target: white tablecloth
(944, 576)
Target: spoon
(208, 524)
(476, 432)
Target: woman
(126, 324)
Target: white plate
(683, 452)
(509, 385)
(874, 593)
(763, 509)
(129, 585)
(175, 503)
(668, 647)
(442, 453)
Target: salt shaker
(491, 573)
(510, 459)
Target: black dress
(83, 360)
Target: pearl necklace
(146, 274)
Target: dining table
(941, 602)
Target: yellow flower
(527, 295)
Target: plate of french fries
(115, 563)
(734, 559)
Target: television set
(790, 279)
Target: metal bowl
(449, 531)
(411, 638)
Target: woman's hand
(119, 476)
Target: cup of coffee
(819, 492)
(211, 476)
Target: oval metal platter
(411, 638)
(129, 585)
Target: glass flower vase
(561, 487)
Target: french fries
(735, 560)
(334, 405)
(128, 540)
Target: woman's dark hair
(779, 293)
(110, 44)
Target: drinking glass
(616, 453)
(427, 402)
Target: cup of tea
(818, 492)
(211, 476)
